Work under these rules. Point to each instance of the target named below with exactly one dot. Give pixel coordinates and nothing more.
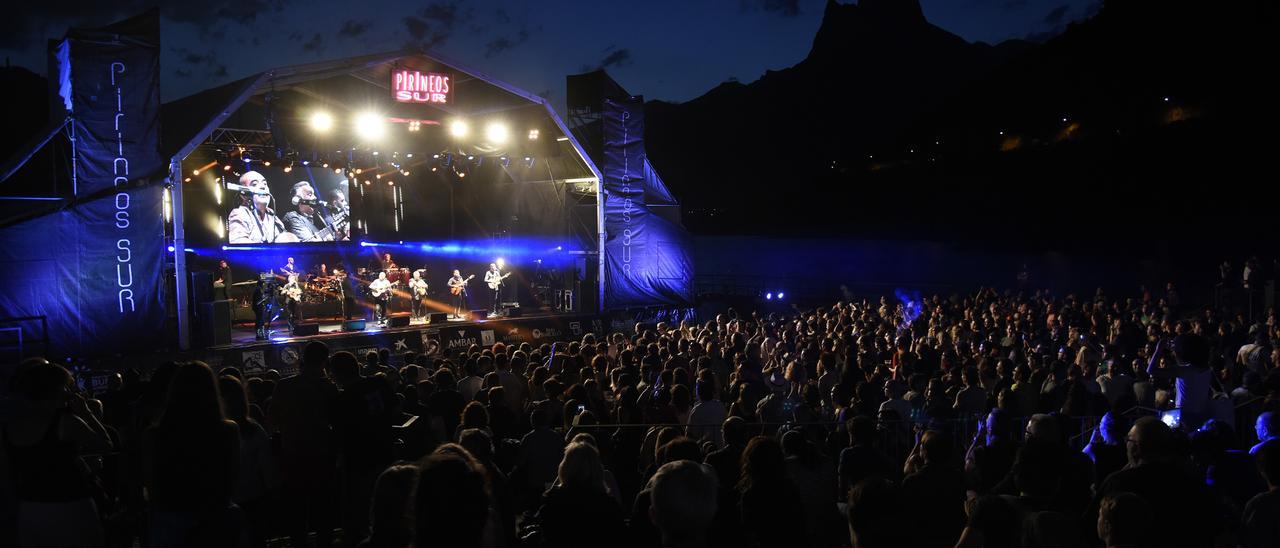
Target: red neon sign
(411, 86)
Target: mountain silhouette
(894, 127)
(873, 68)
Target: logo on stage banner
(486, 337)
(431, 342)
(253, 361)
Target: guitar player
(310, 224)
(458, 287)
(417, 291)
(494, 279)
(292, 293)
(380, 290)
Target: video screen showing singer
(279, 206)
(254, 221)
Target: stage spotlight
(359, 171)
(528, 161)
(533, 135)
(502, 263)
(458, 128)
(187, 180)
(326, 165)
(337, 171)
(370, 126)
(409, 155)
(266, 163)
(321, 121)
(195, 172)
(768, 296)
(226, 167)
(781, 295)
(496, 133)
(288, 168)
(505, 160)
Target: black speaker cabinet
(513, 312)
(478, 315)
(437, 317)
(215, 322)
(304, 329)
(201, 287)
(398, 321)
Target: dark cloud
(315, 44)
(206, 63)
(503, 43)
(352, 28)
(616, 58)
(784, 8)
(435, 24)
(1056, 16)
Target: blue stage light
(768, 296)
(781, 295)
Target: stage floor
(332, 326)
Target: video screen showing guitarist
(417, 292)
(458, 287)
(380, 290)
(494, 279)
(315, 220)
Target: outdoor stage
(445, 339)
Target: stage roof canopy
(273, 109)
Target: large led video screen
(270, 206)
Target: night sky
(663, 49)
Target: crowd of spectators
(982, 420)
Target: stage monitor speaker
(353, 325)
(513, 312)
(215, 322)
(478, 315)
(201, 287)
(304, 329)
(437, 317)
(398, 321)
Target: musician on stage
(417, 292)
(289, 268)
(387, 263)
(261, 296)
(292, 295)
(494, 278)
(254, 221)
(322, 271)
(346, 293)
(458, 286)
(380, 290)
(222, 280)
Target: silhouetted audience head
(389, 513)
(1149, 441)
(581, 469)
(683, 496)
(1123, 519)
(451, 505)
(875, 513)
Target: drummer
(322, 271)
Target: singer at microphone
(254, 221)
(306, 223)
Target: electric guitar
(294, 293)
(460, 286)
(419, 290)
(383, 291)
(495, 283)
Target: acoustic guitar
(461, 286)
